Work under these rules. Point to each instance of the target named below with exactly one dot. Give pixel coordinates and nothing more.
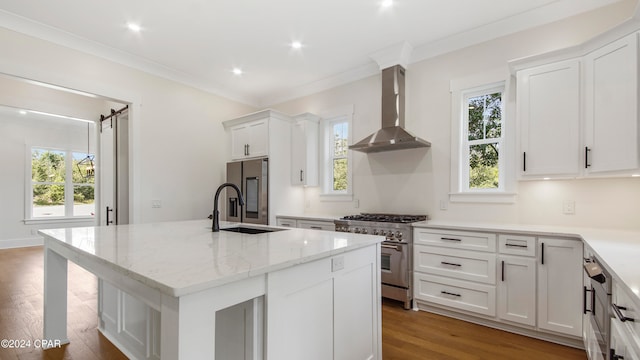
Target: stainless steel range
(396, 250)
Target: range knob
(375, 232)
(357, 230)
(365, 231)
(398, 235)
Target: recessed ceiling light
(386, 4)
(237, 71)
(296, 45)
(134, 27)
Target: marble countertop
(618, 250)
(180, 258)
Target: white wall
(179, 144)
(415, 181)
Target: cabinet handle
(448, 293)
(449, 239)
(248, 149)
(524, 161)
(301, 179)
(503, 270)
(315, 227)
(614, 356)
(584, 300)
(542, 254)
(109, 211)
(586, 157)
(619, 314)
(516, 245)
(448, 263)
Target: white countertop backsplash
(619, 250)
(184, 257)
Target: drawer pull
(448, 293)
(315, 227)
(449, 239)
(448, 263)
(516, 245)
(614, 356)
(619, 314)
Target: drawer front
(458, 264)
(631, 310)
(317, 225)
(456, 239)
(286, 222)
(517, 245)
(458, 294)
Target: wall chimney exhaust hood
(392, 135)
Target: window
(482, 163)
(482, 142)
(336, 179)
(62, 184)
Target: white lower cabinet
(324, 309)
(560, 286)
(129, 322)
(504, 280)
(517, 289)
(305, 223)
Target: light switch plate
(337, 263)
(569, 207)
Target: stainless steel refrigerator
(251, 176)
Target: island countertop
(180, 258)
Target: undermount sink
(250, 230)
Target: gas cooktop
(392, 218)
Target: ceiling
(199, 42)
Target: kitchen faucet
(216, 213)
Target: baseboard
(18, 243)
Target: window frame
(329, 118)
(461, 90)
(68, 184)
(466, 143)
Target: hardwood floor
(406, 335)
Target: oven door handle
(394, 247)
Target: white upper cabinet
(611, 108)
(249, 140)
(304, 150)
(548, 109)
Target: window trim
(328, 117)
(68, 217)
(459, 89)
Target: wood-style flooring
(406, 335)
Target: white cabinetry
(625, 324)
(268, 133)
(611, 107)
(324, 309)
(128, 322)
(306, 223)
(548, 109)
(560, 286)
(517, 279)
(304, 150)
(455, 269)
(249, 140)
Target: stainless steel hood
(392, 135)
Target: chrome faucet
(216, 213)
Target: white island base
(305, 304)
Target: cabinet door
(298, 154)
(517, 289)
(548, 110)
(611, 112)
(239, 141)
(622, 345)
(258, 138)
(560, 286)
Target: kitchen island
(176, 290)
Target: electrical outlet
(569, 207)
(356, 203)
(443, 205)
(156, 204)
(337, 263)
